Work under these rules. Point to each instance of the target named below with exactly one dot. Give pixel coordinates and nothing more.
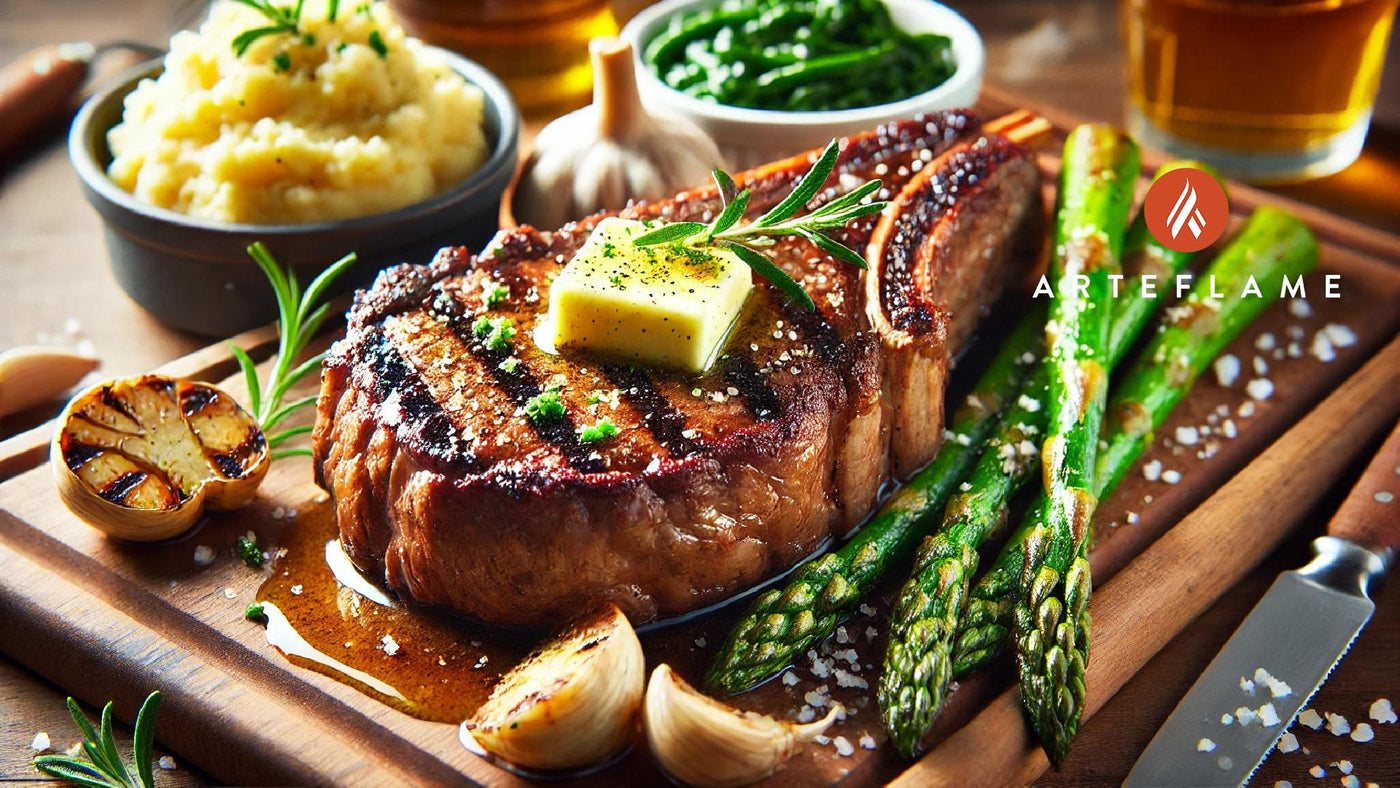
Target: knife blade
(1297, 634)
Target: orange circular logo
(1186, 210)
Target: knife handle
(1370, 515)
(38, 88)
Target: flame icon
(1197, 218)
(1185, 213)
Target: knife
(1297, 633)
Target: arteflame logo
(1186, 210)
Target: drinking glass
(1266, 90)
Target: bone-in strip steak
(714, 482)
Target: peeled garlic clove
(700, 741)
(572, 703)
(142, 458)
(602, 156)
(33, 374)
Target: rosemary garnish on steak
(745, 241)
(300, 315)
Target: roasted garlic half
(700, 741)
(143, 458)
(572, 703)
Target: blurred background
(1066, 54)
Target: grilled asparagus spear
(918, 660)
(1100, 167)
(1273, 244)
(784, 622)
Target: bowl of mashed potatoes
(318, 134)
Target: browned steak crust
(713, 483)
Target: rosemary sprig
(781, 220)
(283, 19)
(104, 767)
(286, 20)
(300, 315)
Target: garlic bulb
(572, 703)
(599, 157)
(700, 741)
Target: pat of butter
(654, 305)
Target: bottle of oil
(539, 48)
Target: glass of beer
(1269, 91)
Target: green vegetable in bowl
(798, 55)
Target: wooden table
(58, 290)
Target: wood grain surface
(1371, 512)
(123, 618)
(58, 276)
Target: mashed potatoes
(299, 129)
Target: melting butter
(663, 305)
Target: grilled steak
(714, 482)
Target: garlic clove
(611, 152)
(572, 703)
(700, 741)
(142, 458)
(33, 374)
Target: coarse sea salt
(1381, 710)
(1227, 370)
(1152, 471)
(1205, 745)
(1321, 348)
(1268, 716)
(1363, 732)
(1259, 389)
(1287, 743)
(41, 742)
(1317, 771)
(1309, 718)
(1337, 725)
(1340, 335)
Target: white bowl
(749, 137)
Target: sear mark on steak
(664, 422)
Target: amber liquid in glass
(1275, 89)
(539, 48)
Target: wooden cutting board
(116, 621)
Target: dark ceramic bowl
(195, 274)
